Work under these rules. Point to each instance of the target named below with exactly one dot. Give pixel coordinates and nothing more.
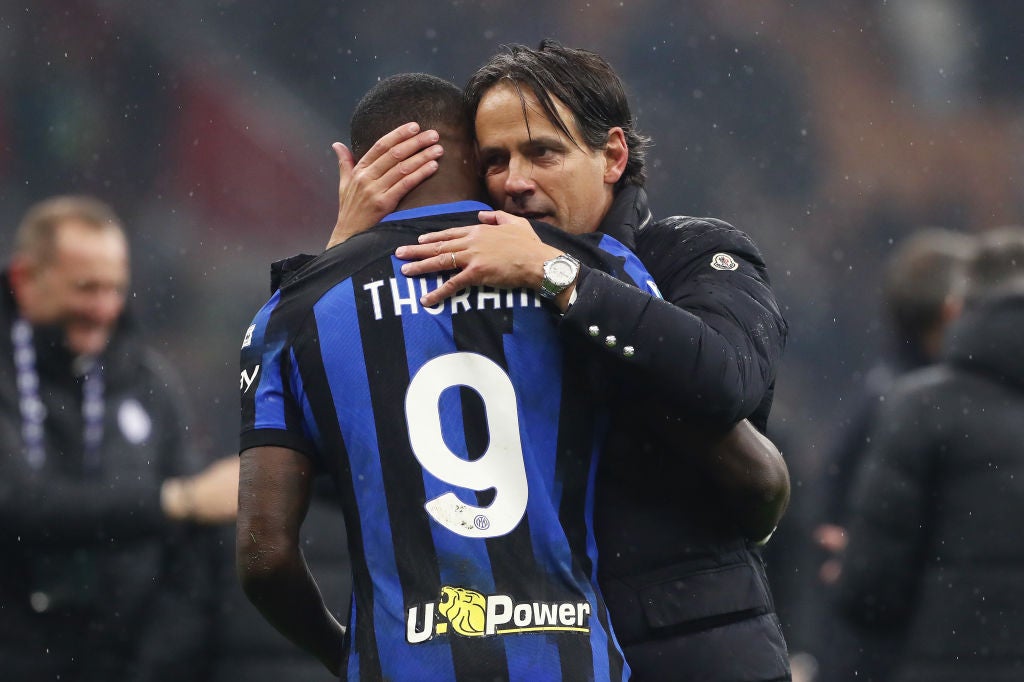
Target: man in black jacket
(922, 294)
(685, 589)
(96, 581)
(934, 534)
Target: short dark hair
(924, 271)
(998, 262)
(583, 81)
(430, 101)
(36, 237)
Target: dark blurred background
(828, 130)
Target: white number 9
(500, 467)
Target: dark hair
(924, 271)
(430, 101)
(582, 80)
(36, 237)
(998, 262)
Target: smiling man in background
(97, 482)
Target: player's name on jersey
(401, 296)
(471, 614)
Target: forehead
(80, 246)
(507, 116)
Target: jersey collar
(437, 209)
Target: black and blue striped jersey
(463, 440)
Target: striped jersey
(463, 441)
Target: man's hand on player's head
(371, 188)
(503, 251)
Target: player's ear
(616, 155)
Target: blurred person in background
(676, 522)
(921, 296)
(934, 554)
(105, 573)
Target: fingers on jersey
(430, 254)
(444, 235)
(463, 280)
(435, 257)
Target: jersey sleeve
(270, 390)
(713, 344)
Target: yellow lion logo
(465, 610)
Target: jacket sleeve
(888, 525)
(50, 511)
(713, 344)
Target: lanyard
(33, 413)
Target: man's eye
(493, 164)
(544, 153)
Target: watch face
(561, 272)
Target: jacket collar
(628, 215)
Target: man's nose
(106, 306)
(520, 178)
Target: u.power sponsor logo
(472, 614)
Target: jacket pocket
(709, 594)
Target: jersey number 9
(501, 466)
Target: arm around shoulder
(748, 471)
(754, 478)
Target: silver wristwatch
(559, 273)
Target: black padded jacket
(677, 575)
(934, 552)
(90, 566)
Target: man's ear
(952, 306)
(616, 155)
(22, 273)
